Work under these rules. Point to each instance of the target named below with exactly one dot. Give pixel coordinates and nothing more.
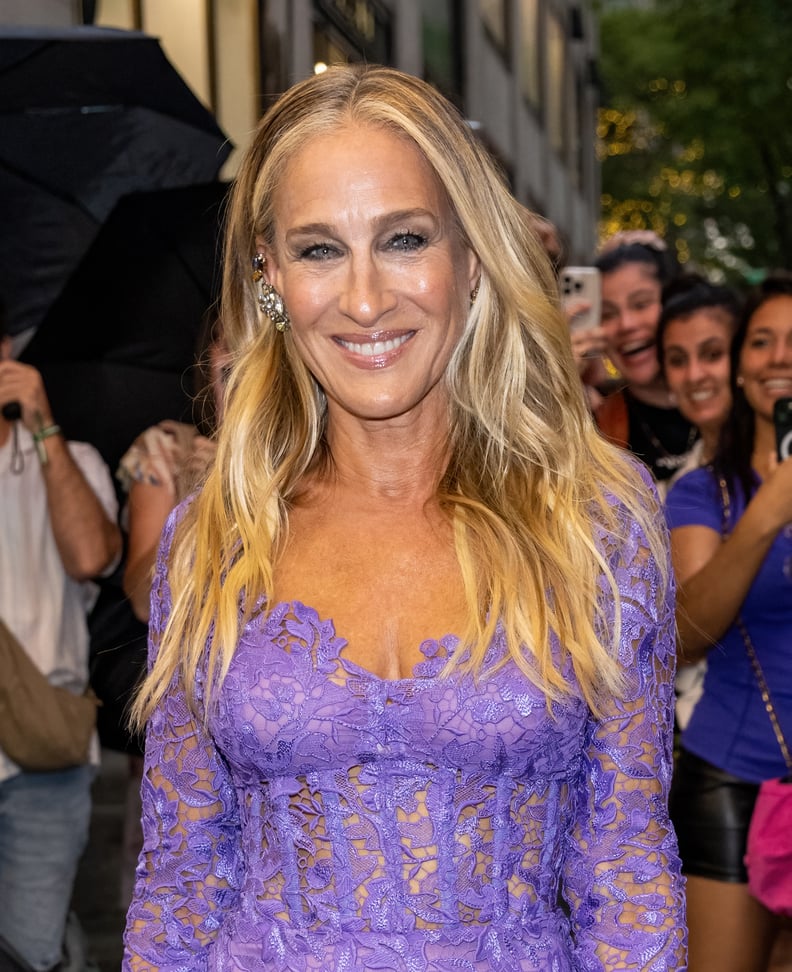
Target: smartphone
(581, 285)
(782, 419)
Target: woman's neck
(709, 443)
(401, 464)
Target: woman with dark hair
(641, 416)
(694, 335)
(731, 535)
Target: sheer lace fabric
(327, 819)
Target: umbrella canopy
(87, 115)
(117, 346)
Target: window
(556, 73)
(494, 14)
(442, 47)
(529, 65)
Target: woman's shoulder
(175, 518)
(699, 480)
(635, 522)
(694, 499)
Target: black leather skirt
(711, 811)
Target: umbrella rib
(47, 189)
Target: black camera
(782, 419)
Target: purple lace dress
(331, 820)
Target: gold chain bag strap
(768, 856)
(42, 727)
(768, 702)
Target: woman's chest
(292, 704)
(388, 583)
(769, 599)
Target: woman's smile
(379, 349)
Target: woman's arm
(715, 575)
(149, 506)
(190, 866)
(622, 874)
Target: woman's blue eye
(407, 241)
(317, 251)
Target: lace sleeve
(189, 869)
(623, 881)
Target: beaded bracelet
(40, 436)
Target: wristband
(38, 440)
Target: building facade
(522, 71)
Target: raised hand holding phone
(581, 297)
(581, 301)
(782, 419)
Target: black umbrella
(87, 115)
(116, 349)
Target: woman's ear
(271, 266)
(474, 272)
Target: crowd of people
(447, 607)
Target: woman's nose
(366, 294)
(694, 370)
(782, 352)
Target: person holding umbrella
(412, 644)
(58, 526)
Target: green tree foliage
(695, 130)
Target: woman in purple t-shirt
(729, 746)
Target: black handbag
(117, 663)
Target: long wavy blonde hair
(530, 486)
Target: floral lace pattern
(327, 819)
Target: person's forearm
(137, 583)
(709, 600)
(148, 509)
(87, 539)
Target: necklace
(666, 459)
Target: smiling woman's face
(765, 367)
(697, 368)
(630, 312)
(369, 261)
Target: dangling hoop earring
(269, 300)
(474, 293)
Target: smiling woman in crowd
(642, 416)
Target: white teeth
(701, 396)
(372, 349)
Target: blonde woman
(411, 683)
